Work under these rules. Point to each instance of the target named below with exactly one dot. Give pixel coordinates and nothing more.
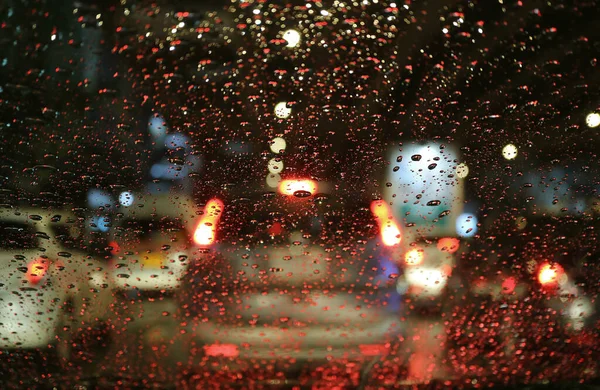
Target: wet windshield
(303, 194)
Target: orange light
(414, 257)
(206, 229)
(36, 270)
(226, 350)
(390, 232)
(448, 244)
(549, 274)
(298, 187)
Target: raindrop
(433, 203)
(302, 194)
(416, 157)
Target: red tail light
(226, 350)
(388, 228)
(206, 229)
(549, 274)
(36, 271)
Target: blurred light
(206, 229)
(466, 225)
(176, 140)
(226, 350)
(593, 119)
(432, 280)
(114, 248)
(273, 180)
(462, 170)
(278, 145)
(204, 234)
(414, 257)
(102, 224)
(549, 274)
(292, 37)
(126, 198)
(521, 222)
(508, 285)
(157, 127)
(275, 165)
(373, 349)
(509, 152)
(389, 230)
(282, 110)
(448, 244)
(580, 308)
(294, 187)
(98, 280)
(36, 270)
(98, 198)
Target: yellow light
(414, 257)
(509, 152)
(390, 234)
(389, 230)
(206, 229)
(549, 274)
(275, 165)
(593, 119)
(282, 110)
(295, 187)
(273, 180)
(462, 170)
(278, 145)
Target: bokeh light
(292, 37)
(282, 110)
(509, 152)
(126, 198)
(278, 145)
(466, 225)
(275, 165)
(593, 119)
(462, 170)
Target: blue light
(466, 225)
(100, 224)
(98, 198)
(177, 140)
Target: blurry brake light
(36, 270)
(549, 274)
(414, 257)
(206, 229)
(448, 244)
(373, 349)
(298, 187)
(389, 230)
(226, 350)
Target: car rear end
(151, 244)
(29, 298)
(293, 274)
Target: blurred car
(51, 294)
(151, 240)
(424, 194)
(300, 273)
